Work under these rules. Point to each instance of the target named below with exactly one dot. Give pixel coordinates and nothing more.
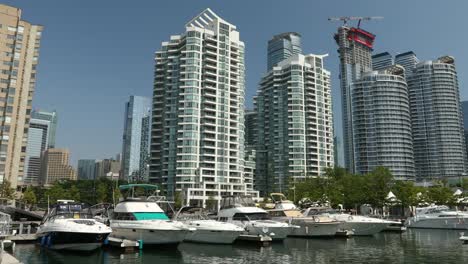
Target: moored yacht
(208, 230)
(438, 217)
(241, 211)
(70, 226)
(358, 224)
(309, 226)
(141, 219)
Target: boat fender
(140, 244)
(316, 219)
(350, 217)
(43, 240)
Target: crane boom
(346, 19)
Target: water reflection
(414, 246)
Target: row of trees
(101, 190)
(340, 187)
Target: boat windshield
(70, 210)
(237, 201)
(250, 216)
(319, 211)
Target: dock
(261, 240)
(6, 258)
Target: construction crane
(346, 19)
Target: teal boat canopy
(151, 216)
(140, 185)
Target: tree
(406, 192)
(101, 192)
(55, 193)
(74, 193)
(377, 185)
(29, 197)
(6, 191)
(211, 204)
(178, 201)
(441, 195)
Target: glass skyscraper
(437, 120)
(283, 46)
(382, 123)
(354, 49)
(136, 138)
(41, 136)
(408, 60)
(86, 169)
(197, 137)
(295, 126)
(381, 61)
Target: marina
(413, 246)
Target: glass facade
(136, 138)
(381, 61)
(86, 169)
(295, 127)
(355, 59)
(283, 46)
(437, 120)
(382, 123)
(197, 137)
(41, 135)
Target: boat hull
(72, 240)
(277, 233)
(442, 223)
(212, 236)
(312, 229)
(364, 228)
(150, 236)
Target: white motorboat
(358, 224)
(309, 226)
(241, 211)
(438, 217)
(208, 230)
(141, 219)
(70, 226)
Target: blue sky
(96, 53)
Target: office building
(136, 137)
(19, 58)
(55, 166)
(108, 168)
(86, 169)
(41, 126)
(381, 61)
(197, 137)
(354, 50)
(283, 46)
(295, 126)
(382, 123)
(437, 120)
(52, 118)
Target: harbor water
(414, 246)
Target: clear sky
(96, 53)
